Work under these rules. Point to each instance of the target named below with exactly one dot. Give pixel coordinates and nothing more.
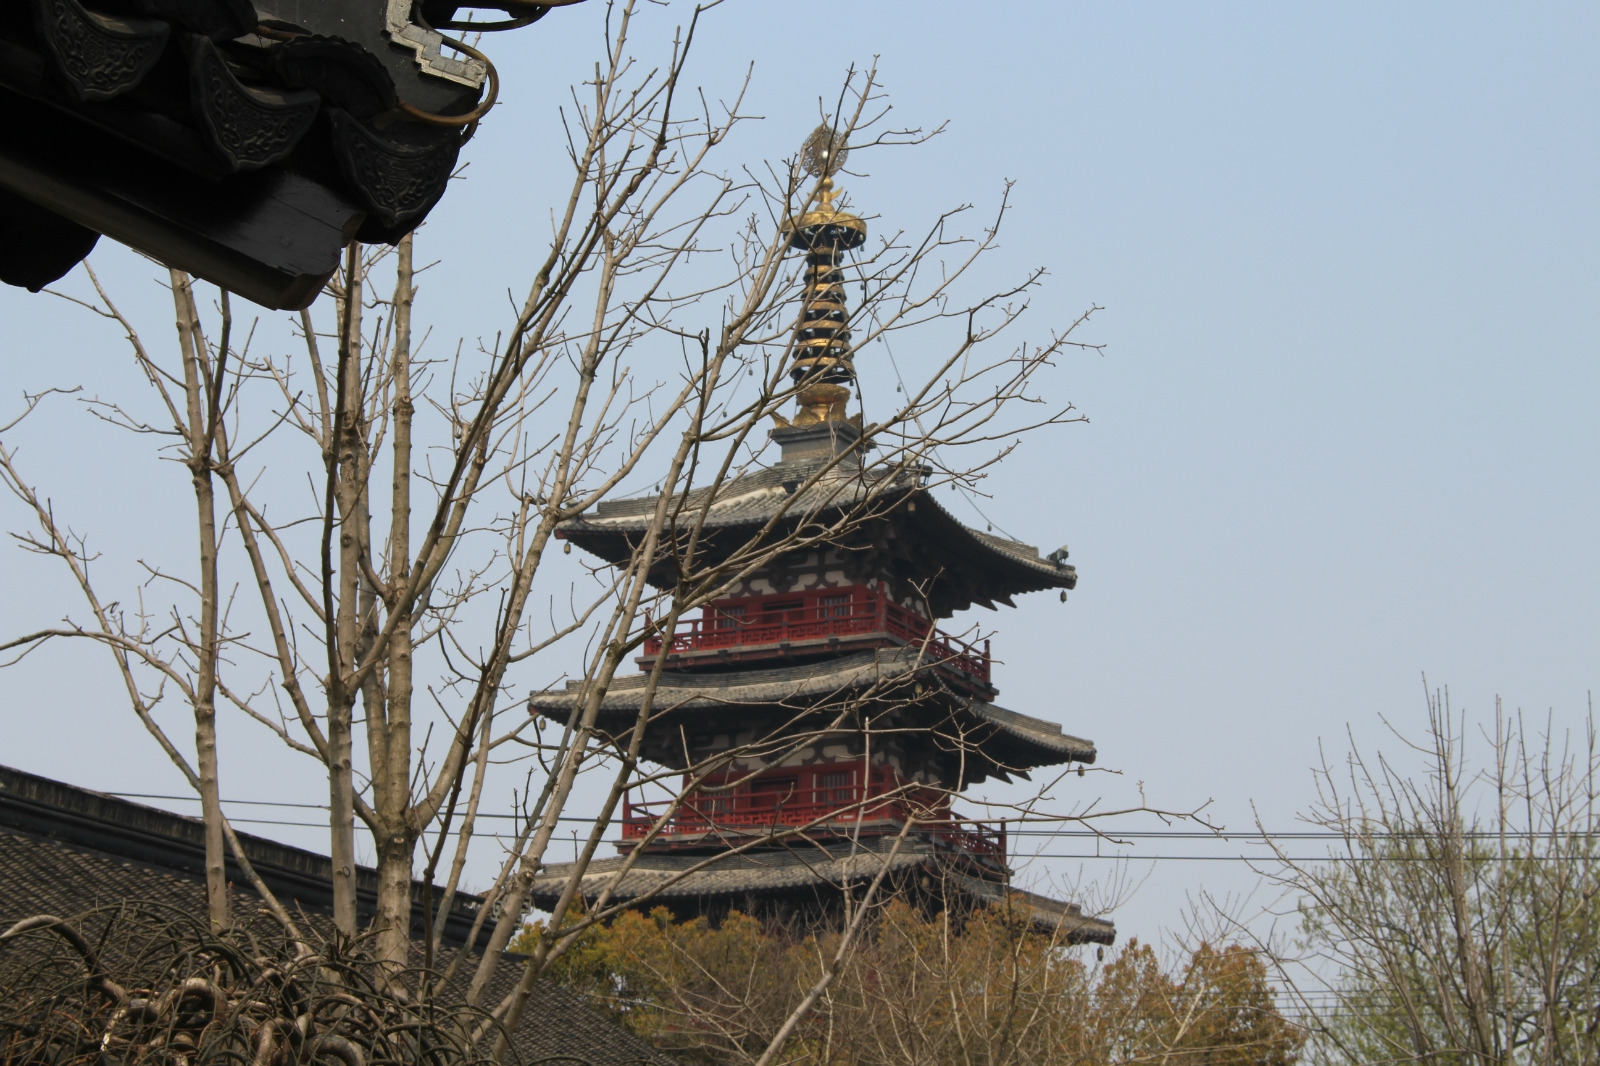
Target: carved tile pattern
(250, 128)
(397, 181)
(100, 57)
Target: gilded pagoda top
(823, 370)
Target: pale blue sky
(1343, 432)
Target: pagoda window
(729, 616)
(769, 793)
(835, 788)
(836, 605)
(774, 611)
(711, 805)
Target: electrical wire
(471, 117)
(1136, 834)
(535, 12)
(1111, 839)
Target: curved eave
(778, 871)
(1013, 743)
(1018, 567)
(996, 568)
(767, 870)
(1052, 917)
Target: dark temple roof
(1013, 741)
(892, 505)
(66, 851)
(160, 839)
(812, 869)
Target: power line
(234, 802)
(1134, 857)
(1111, 837)
(1119, 856)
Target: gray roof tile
(754, 498)
(803, 865)
(816, 681)
(46, 869)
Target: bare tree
(1457, 920)
(352, 598)
(183, 650)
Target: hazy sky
(1342, 434)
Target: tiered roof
(816, 872)
(1000, 742)
(969, 566)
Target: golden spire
(822, 369)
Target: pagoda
(839, 719)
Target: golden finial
(822, 365)
(822, 156)
(824, 153)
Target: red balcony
(826, 799)
(802, 623)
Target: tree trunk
(393, 920)
(199, 412)
(345, 625)
(391, 746)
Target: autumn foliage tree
(989, 989)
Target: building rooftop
(148, 837)
(67, 851)
(813, 872)
(1009, 742)
(852, 500)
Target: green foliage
(990, 991)
(1460, 925)
(1515, 971)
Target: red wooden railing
(818, 614)
(849, 808)
(697, 817)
